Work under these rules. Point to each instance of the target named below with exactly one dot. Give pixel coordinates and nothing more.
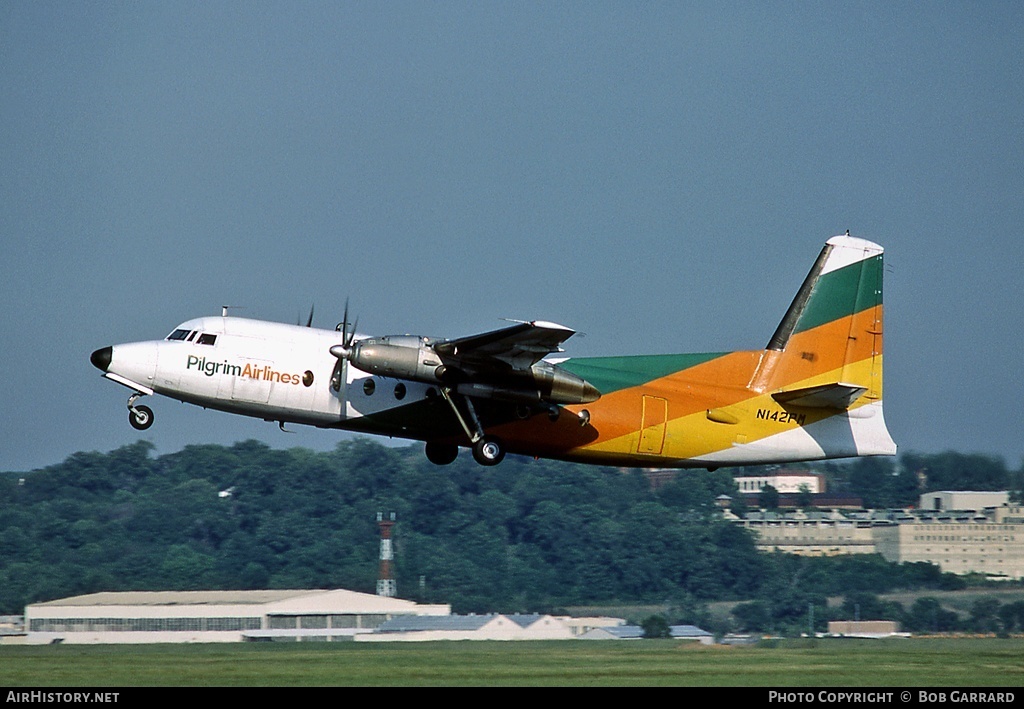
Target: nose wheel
(140, 417)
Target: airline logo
(247, 371)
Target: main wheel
(489, 450)
(141, 417)
(441, 453)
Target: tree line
(926, 614)
(525, 536)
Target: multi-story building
(987, 538)
(812, 534)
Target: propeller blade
(309, 322)
(351, 335)
(343, 325)
(347, 335)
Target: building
(864, 628)
(793, 488)
(785, 481)
(1009, 514)
(635, 632)
(215, 616)
(295, 616)
(493, 626)
(962, 500)
(960, 532)
(12, 628)
(957, 544)
(813, 534)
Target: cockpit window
(178, 334)
(191, 335)
(206, 339)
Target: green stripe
(610, 374)
(842, 293)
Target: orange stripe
(720, 382)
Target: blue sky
(659, 176)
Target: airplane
(814, 392)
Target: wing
(518, 347)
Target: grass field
(985, 662)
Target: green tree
(985, 616)
(804, 498)
(959, 471)
(753, 616)
(1011, 616)
(768, 498)
(927, 615)
(864, 605)
(656, 626)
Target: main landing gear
(487, 450)
(140, 417)
(441, 453)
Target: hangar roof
(270, 602)
(175, 598)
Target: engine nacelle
(411, 357)
(561, 387)
(397, 356)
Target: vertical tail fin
(833, 328)
(827, 351)
(845, 280)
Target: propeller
(309, 320)
(343, 350)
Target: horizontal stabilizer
(825, 396)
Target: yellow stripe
(694, 435)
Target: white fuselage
(268, 370)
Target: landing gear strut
(487, 450)
(140, 417)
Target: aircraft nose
(101, 358)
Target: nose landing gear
(140, 417)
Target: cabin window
(399, 391)
(368, 387)
(206, 339)
(178, 334)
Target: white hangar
(215, 616)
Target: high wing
(503, 364)
(518, 347)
